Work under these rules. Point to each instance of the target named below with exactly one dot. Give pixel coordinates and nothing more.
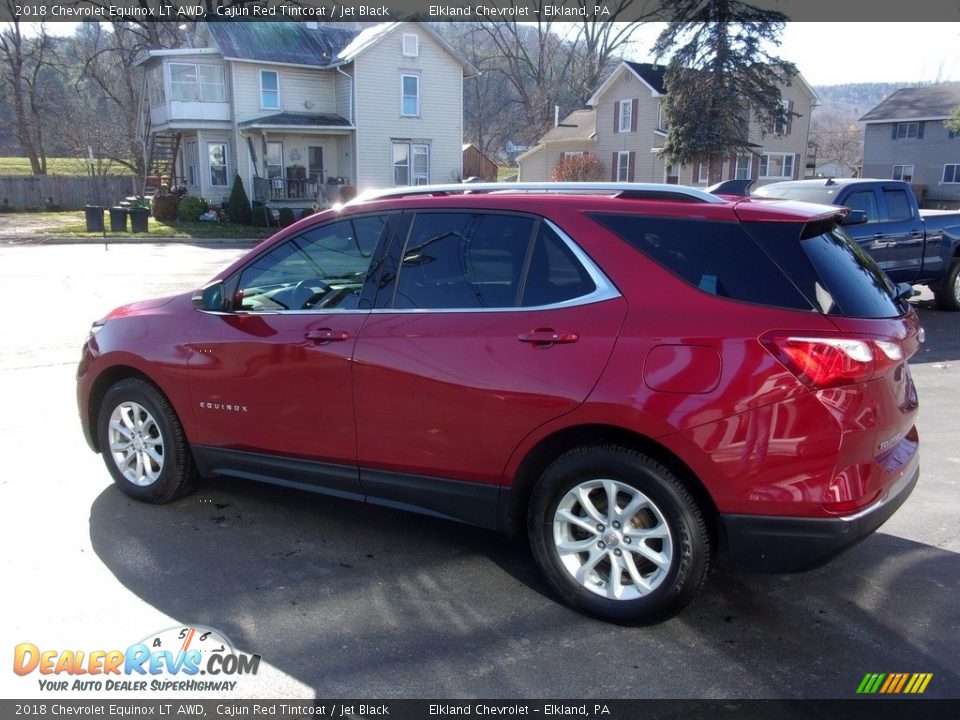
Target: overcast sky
(836, 53)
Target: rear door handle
(545, 337)
(325, 335)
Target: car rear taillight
(823, 362)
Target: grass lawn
(77, 227)
(59, 166)
(505, 172)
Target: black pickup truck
(920, 247)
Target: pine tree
(953, 122)
(238, 207)
(720, 73)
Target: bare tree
(25, 60)
(838, 139)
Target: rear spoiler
(737, 188)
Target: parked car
(635, 376)
(920, 247)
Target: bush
(165, 207)
(578, 168)
(262, 215)
(238, 206)
(286, 217)
(191, 208)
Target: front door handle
(325, 335)
(545, 337)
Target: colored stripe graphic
(894, 683)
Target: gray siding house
(624, 127)
(905, 139)
(299, 110)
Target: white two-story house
(300, 110)
(624, 126)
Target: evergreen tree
(238, 206)
(720, 71)
(953, 122)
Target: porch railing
(278, 188)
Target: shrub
(165, 207)
(286, 217)
(578, 168)
(262, 215)
(191, 208)
(347, 193)
(238, 206)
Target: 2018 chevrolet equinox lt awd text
(635, 376)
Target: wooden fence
(64, 192)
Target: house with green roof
(302, 110)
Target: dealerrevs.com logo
(177, 659)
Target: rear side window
(898, 206)
(554, 275)
(829, 268)
(719, 258)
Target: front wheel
(618, 535)
(143, 443)
(947, 294)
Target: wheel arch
(107, 379)
(514, 503)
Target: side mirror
(855, 217)
(211, 298)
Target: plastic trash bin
(139, 219)
(118, 219)
(94, 214)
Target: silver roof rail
(659, 191)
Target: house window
(217, 153)
(951, 173)
(411, 45)
(197, 83)
(780, 125)
(269, 90)
(908, 130)
(411, 163)
(776, 165)
(192, 159)
(626, 115)
(742, 169)
(902, 172)
(703, 174)
(410, 95)
(155, 84)
(623, 165)
(661, 118)
(274, 160)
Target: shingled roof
(917, 103)
(578, 125)
(652, 75)
(280, 42)
(292, 119)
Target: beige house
(625, 127)
(301, 110)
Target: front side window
(321, 269)
(410, 95)
(907, 130)
(865, 200)
(217, 154)
(776, 165)
(902, 172)
(951, 173)
(626, 115)
(471, 261)
(269, 90)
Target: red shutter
(613, 168)
(796, 167)
(789, 117)
(631, 165)
(616, 116)
(634, 106)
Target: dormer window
(411, 45)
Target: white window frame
(192, 161)
(411, 45)
(623, 166)
(704, 177)
(907, 127)
(956, 174)
(404, 76)
(263, 105)
(901, 172)
(413, 149)
(267, 164)
(226, 163)
(747, 170)
(765, 165)
(196, 84)
(661, 125)
(625, 122)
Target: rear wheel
(143, 444)
(618, 535)
(947, 294)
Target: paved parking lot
(344, 600)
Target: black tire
(154, 426)
(664, 503)
(947, 294)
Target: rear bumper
(764, 544)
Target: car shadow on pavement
(942, 343)
(356, 600)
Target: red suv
(636, 376)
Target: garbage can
(118, 219)
(139, 219)
(94, 214)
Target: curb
(124, 240)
